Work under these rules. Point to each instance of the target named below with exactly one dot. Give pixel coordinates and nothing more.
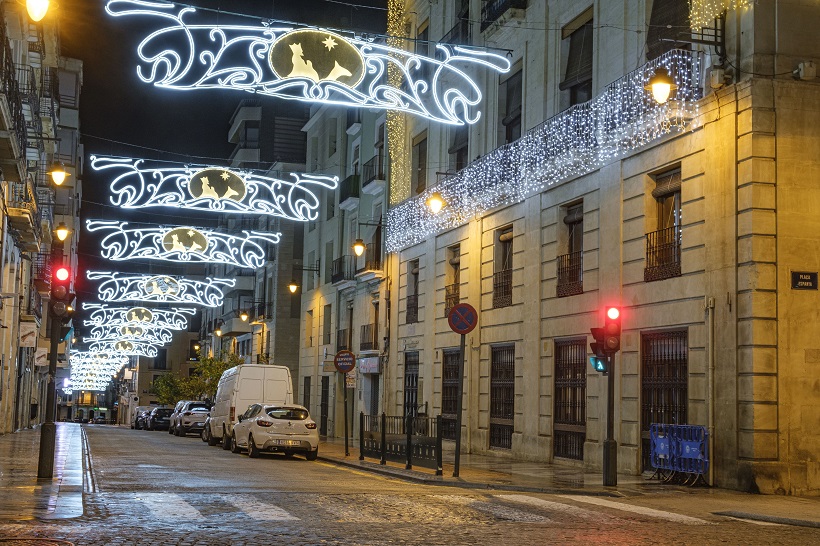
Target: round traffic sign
(344, 361)
(462, 318)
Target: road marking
(659, 514)
(568, 509)
(169, 506)
(259, 510)
(497, 510)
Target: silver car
(276, 428)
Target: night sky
(123, 116)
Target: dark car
(141, 419)
(159, 419)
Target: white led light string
(574, 142)
(103, 315)
(125, 287)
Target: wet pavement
(74, 487)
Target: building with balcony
(39, 126)
(344, 305)
(690, 216)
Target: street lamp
(435, 202)
(244, 316)
(58, 173)
(62, 231)
(37, 9)
(293, 286)
(218, 330)
(661, 85)
(358, 247)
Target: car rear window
(292, 414)
(164, 412)
(198, 407)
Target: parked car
(189, 417)
(206, 430)
(140, 423)
(241, 386)
(135, 412)
(100, 420)
(159, 419)
(283, 428)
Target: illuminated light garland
(123, 347)
(172, 319)
(183, 244)
(143, 334)
(93, 371)
(119, 287)
(215, 189)
(574, 142)
(702, 13)
(397, 121)
(447, 95)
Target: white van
(241, 386)
(135, 411)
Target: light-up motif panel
(138, 185)
(308, 64)
(133, 348)
(130, 332)
(574, 142)
(173, 319)
(92, 371)
(182, 244)
(118, 287)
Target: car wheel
(234, 446)
(183, 431)
(226, 440)
(311, 455)
(253, 451)
(212, 441)
(170, 429)
(203, 435)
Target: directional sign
(462, 318)
(344, 361)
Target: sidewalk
(492, 473)
(22, 495)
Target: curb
(424, 479)
(770, 519)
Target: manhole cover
(20, 541)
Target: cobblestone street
(149, 488)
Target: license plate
(287, 442)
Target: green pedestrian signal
(598, 364)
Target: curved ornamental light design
(182, 244)
(216, 189)
(308, 64)
(130, 332)
(124, 347)
(119, 287)
(172, 319)
(93, 371)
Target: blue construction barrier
(679, 452)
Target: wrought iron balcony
(343, 269)
(41, 270)
(349, 191)
(35, 304)
(412, 315)
(663, 254)
(460, 34)
(492, 10)
(570, 274)
(372, 257)
(369, 338)
(50, 96)
(13, 145)
(373, 172)
(502, 288)
(452, 295)
(24, 215)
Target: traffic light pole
(48, 430)
(610, 445)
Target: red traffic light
(62, 274)
(613, 313)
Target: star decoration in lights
(225, 175)
(330, 43)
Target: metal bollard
(361, 436)
(439, 448)
(384, 439)
(409, 446)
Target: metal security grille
(570, 414)
(449, 393)
(411, 383)
(502, 396)
(324, 405)
(663, 254)
(570, 274)
(664, 379)
(374, 395)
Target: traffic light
(599, 359)
(612, 329)
(62, 301)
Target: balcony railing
(349, 188)
(412, 315)
(11, 89)
(662, 254)
(373, 170)
(41, 265)
(35, 304)
(459, 35)
(369, 338)
(50, 95)
(342, 340)
(343, 269)
(493, 9)
(502, 288)
(452, 295)
(372, 257)
(570, 274)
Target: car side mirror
(241, 417)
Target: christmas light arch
(121, 287)
(103, 315)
